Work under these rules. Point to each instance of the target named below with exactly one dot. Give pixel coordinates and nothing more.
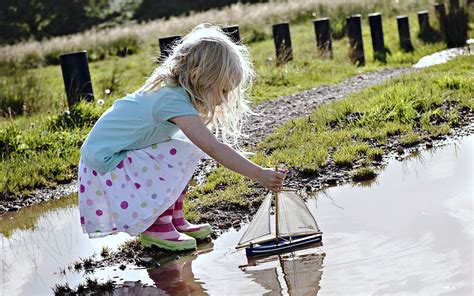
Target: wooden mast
(277, 231)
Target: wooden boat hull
(282, 245)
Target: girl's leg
(183, 226)
(163, 234)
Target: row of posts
(79, 86)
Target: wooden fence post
(454, 4)
(354, 30)
(167, 44)
(322, 28)
(282, 40)
(441, 15)
(424, 23)
(404, 33)
(376, 32)
(76, 76)
(234, 32)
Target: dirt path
(274, 113)
(280, 110)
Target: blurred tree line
(24, 19)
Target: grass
(41, 148)
(389, 112)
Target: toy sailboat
(292, 227)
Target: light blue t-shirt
(136, 121)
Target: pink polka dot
(127, 177)
(99, 212)
(80, 179)
(115, 228)
(82, 188)
(84, 170)
(89, 202)
(137, 185)
(94, 173)
(129, 159)
(149, 183)
(83, 221)
(160, 156)
(161, 178)
(124, 205)
(135, 215)
(108, 182)
(170, 166)
(173, 151)
(120, 165)
(125, 226)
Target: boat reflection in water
(295, 273)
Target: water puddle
(410, 231)
(445, 55)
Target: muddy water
(410, 231)
(37, 242)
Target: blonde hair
(207, 64)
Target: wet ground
(409, 231)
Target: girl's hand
(272, 179)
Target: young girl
(134, 167)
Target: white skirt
(132, 196)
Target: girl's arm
(198, 133)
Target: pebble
(400, 150)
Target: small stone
(145, 259)
(400, 150)
(236, 223)
(122, 267)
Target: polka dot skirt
(132, 196)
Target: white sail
(294, 218)
(260, 225)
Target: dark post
(322, 27)
(404, 33)
(441, 15)
(234, 32)
(76, 76)
(376, 31)
(424, 22)
(454, 4)
(281, 37)
(354, 30)
(167, 44)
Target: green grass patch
(363, 174)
